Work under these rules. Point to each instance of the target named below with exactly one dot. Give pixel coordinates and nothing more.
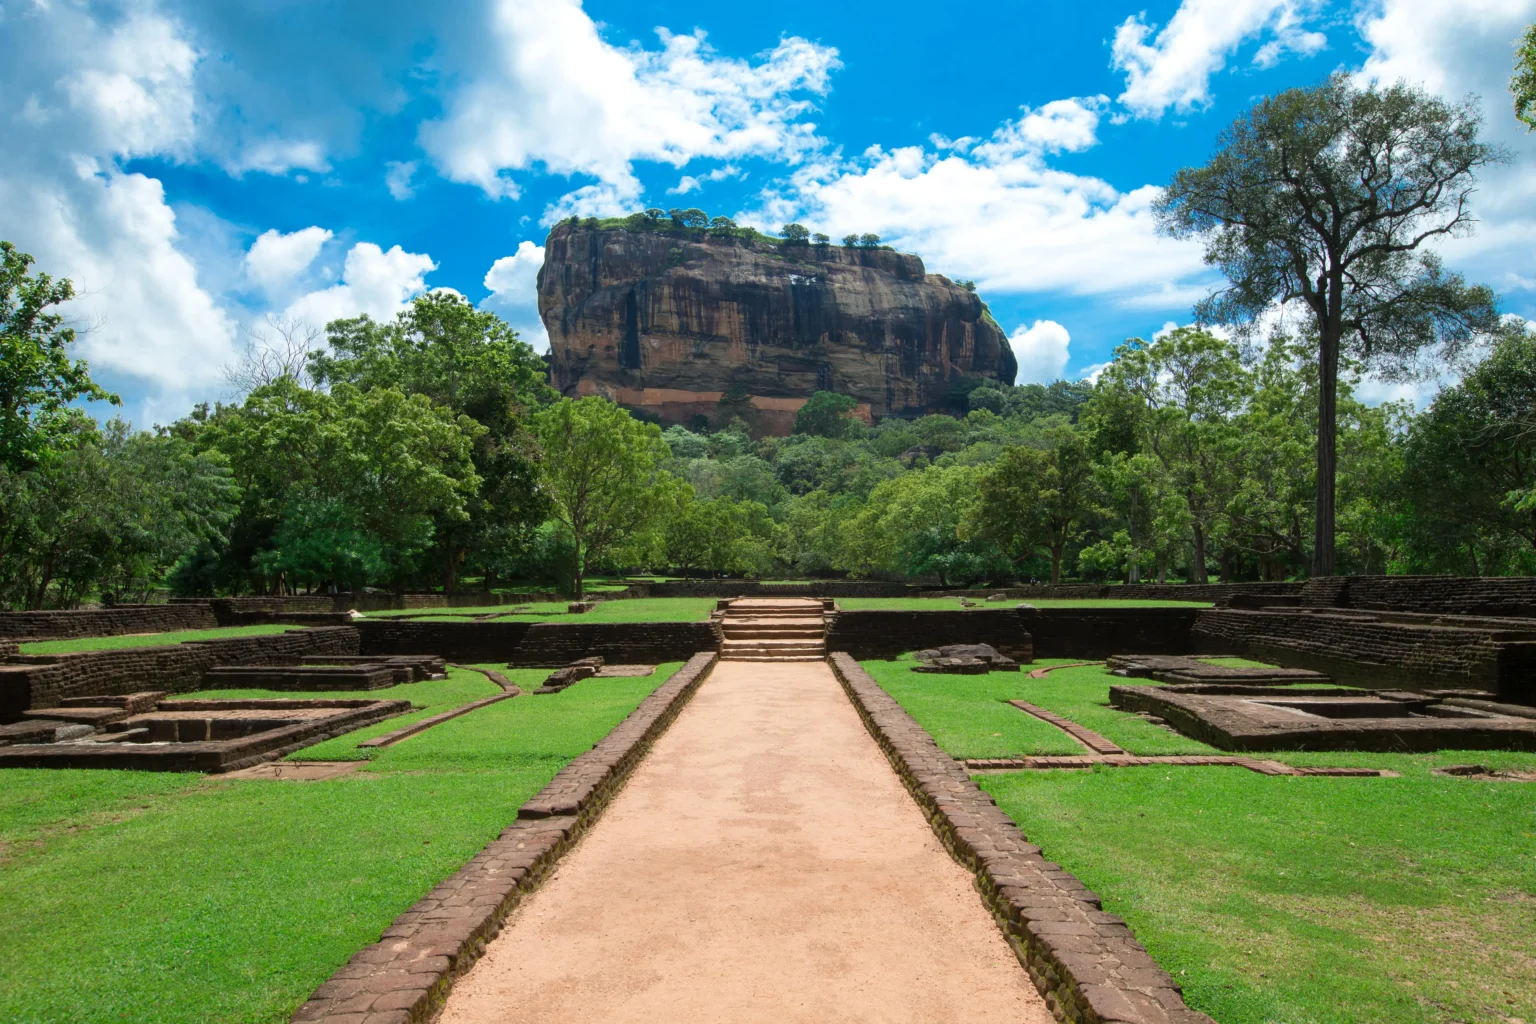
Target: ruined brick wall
(885, 634)
(540, 643)
(1511, 596)
(1216, 593)
(42, 680)
(115, 621)
(638, 643)
(758, 588)
(469, 642)
(1361, 650)
(1090, 634)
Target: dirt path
(763, 864)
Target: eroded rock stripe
(1084, 961)
(405, 976)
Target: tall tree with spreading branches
(1327, 196)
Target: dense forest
(429, 452)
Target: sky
(200, 167)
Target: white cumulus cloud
(275, 260)
(1173, 66)
(78, 93)
(997, 212)
(374, 281)
(1041, 349)
(397, 178)
(548, 90)
(1455, 51)
(513, 283)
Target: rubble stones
(964, 659)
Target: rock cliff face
(681, 326)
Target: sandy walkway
(763, 864)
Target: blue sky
(200, 168)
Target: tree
(851, 240)
(1325, 196)
(796, 234)
(109, 513)
(693, 217)
(869, 240)
(402, 467)
(38, 380)
(1523, 84)
(722, 224)
(472, 363)
(1470, 466)
(825, 414)
(599, 472)
(1191, 383)
(821, 238)
(282, 347)
(656, 213)
(1032, 499)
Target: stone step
(764, 657)
(787, 632)
(813, 621)
(773, 648)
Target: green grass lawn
(933, 604)
(640, 609)
(1405, 900)
(152, 897)
(1273, 900)
(429, 697)
(968, 716)
(180, 636)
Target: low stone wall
(115, 621)
(469, 642)
(1084, 961)
(758, 588)
(539, 643)
(1363, 650)
(886, 634)
(1094, 633)
(1509, 596)
(43, 680)
(1216, 593)
(636, 643)
(406, 975)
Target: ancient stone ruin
(964, 659)
(143, 731)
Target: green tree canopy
(38, 380)
(1326, 196)
(600, 475)
(825, 414)
(1033, 499)
(470, 362)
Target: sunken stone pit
(1253, 718)
(141, 731)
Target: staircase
(773, 629)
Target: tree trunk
(1197, 565)
(1327, 447)
(451, 556)
(580, 576)
(1056, 552)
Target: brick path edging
(1084, 961)
(404, 978)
